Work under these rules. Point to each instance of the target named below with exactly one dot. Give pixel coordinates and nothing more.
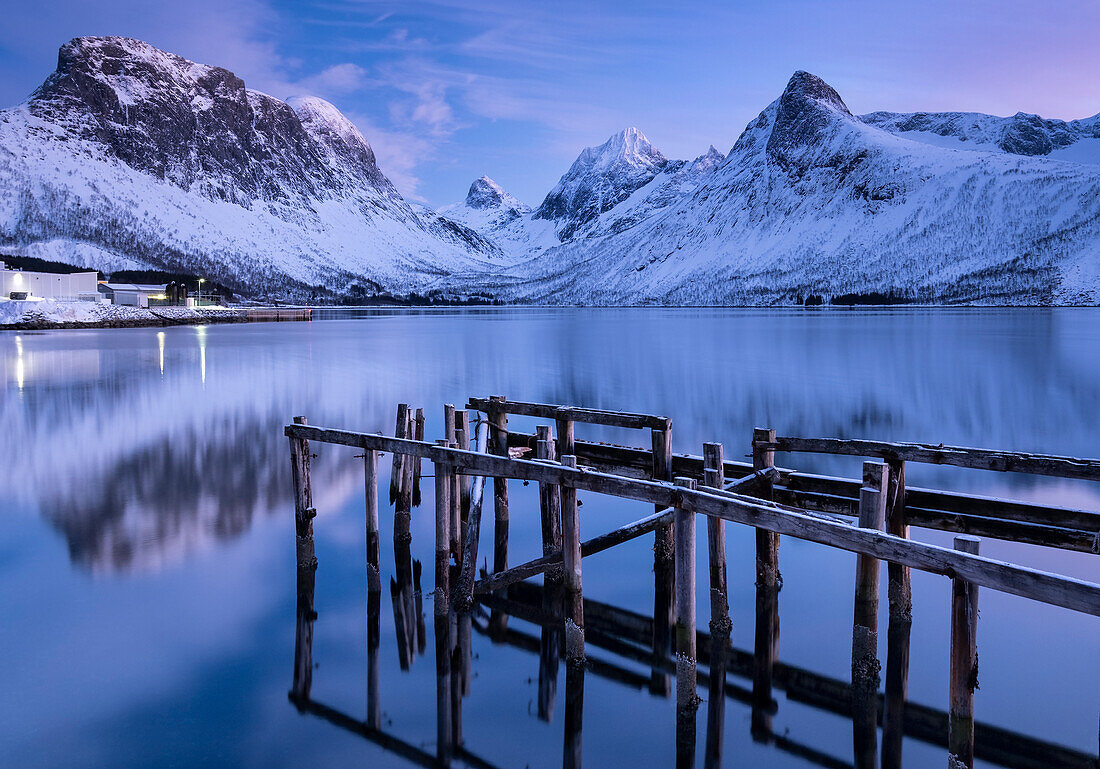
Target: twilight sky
(448, 90)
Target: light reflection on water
(151, 550)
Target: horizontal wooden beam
(1058, 590)
(958, 456)
(574, 413)
(944, 520)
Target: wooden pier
(870, 517)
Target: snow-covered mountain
(1022, 134)
(128, 155)
(608, 188)
(813, 200)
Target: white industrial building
(132, 294)
(24, 284)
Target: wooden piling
(549, 509)
(720, 627)
(574, 620)
(571, 554)
(306, 564)
(687, 700)
(464, 436)
(768, 581)
(449, 433)
(964, 663)
(865, 663)
(418, 434)
(566, 437)
(900, 626)
(400, 431)
(549, 639)
(303, 499)
(663, 567)
(442, 611)
(498, 444)
(374, 585)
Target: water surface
(148, 550)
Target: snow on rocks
(53, 314)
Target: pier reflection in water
(620, 651)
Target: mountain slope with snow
(813, 200)
(130, 153)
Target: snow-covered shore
(50, 314)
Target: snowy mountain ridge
(813, 200)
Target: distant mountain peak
(809, 87)
(600, 178)
(485, 193)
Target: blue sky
(446, 91)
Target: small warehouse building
(133, 294)
(25, 284)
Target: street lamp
(199, 297)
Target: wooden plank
(1068, 592)
(418, 434)
(549, 504)
(900, 595)
(958, 456)
(964, 663)
(572, 413)
(567, 439)
(720, 627)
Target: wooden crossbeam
(1045, 587)
(571, 413)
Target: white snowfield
(131, 157)
(48, 312)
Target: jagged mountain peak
(808, 114)
(485, 193)
(629, 146)
(600, 178)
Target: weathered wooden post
(374, 586)
(714, 477)
(898, 632)
(566, 437)
(449, 433)
(574, 620)
(549, 638)
(687, 700)
(442, 610)
(964, 663)
(418, 434)
(400, 430)
(306, 564)
(571, 558)
(498, 444)
(663, 568)
(865, 663)
(464, 436)
(768, 582)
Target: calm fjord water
(147, 549)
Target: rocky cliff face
(126, 151)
